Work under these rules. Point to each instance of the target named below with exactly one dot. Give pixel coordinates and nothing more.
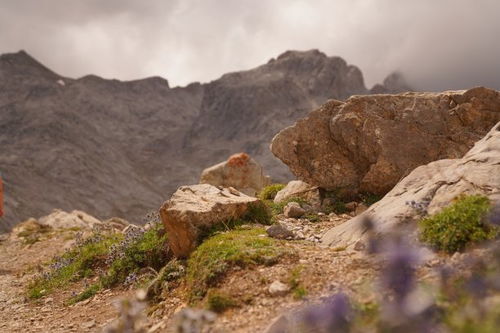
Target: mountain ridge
(119, 148)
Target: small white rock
(277, 288)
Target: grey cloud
(438, 44)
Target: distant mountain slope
(114, 148)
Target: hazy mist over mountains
(438, 45)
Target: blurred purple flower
(334, 315)
(494, 215)
(398, 274)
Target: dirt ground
(322, 271)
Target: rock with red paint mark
(240, 171)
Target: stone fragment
(277, 288)
(299, 189)
(279, 231)
(293, 210)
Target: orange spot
(238, 160)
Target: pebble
(277, 288)
(88, 324)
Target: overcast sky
(437, 44)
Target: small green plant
(258, 213)
(219, 302)
(150, 250)
(337, 207)
(270, 191)
(169, 274)
(87, 293)
(294, 281)
(312, 217)
(458, 225)
(218, 254)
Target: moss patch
(210, 262)
(458, 225)
(269, 192)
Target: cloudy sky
(437, 44)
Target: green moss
(218, 254)
(148, 251)
(277, 208)
(294, 281)
(458, 225)
(269, 192)
(87, 293)
(220, 302)
(299, 293)
(258, 213)
(82, 262)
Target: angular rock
(194, 209)
(293, 210)
(60, 219)
(279, 231)
(431, 187)
(239, 171)
(299, 189)
(368, 143)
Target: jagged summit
(20, 63)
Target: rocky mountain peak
(394, 83)
(21, 63)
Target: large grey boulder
(433, 186)
(368, 143)
(195, 209)
(240, 171)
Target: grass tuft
(220, 302)
(458, 225)
(86, 294)
(270, 191)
